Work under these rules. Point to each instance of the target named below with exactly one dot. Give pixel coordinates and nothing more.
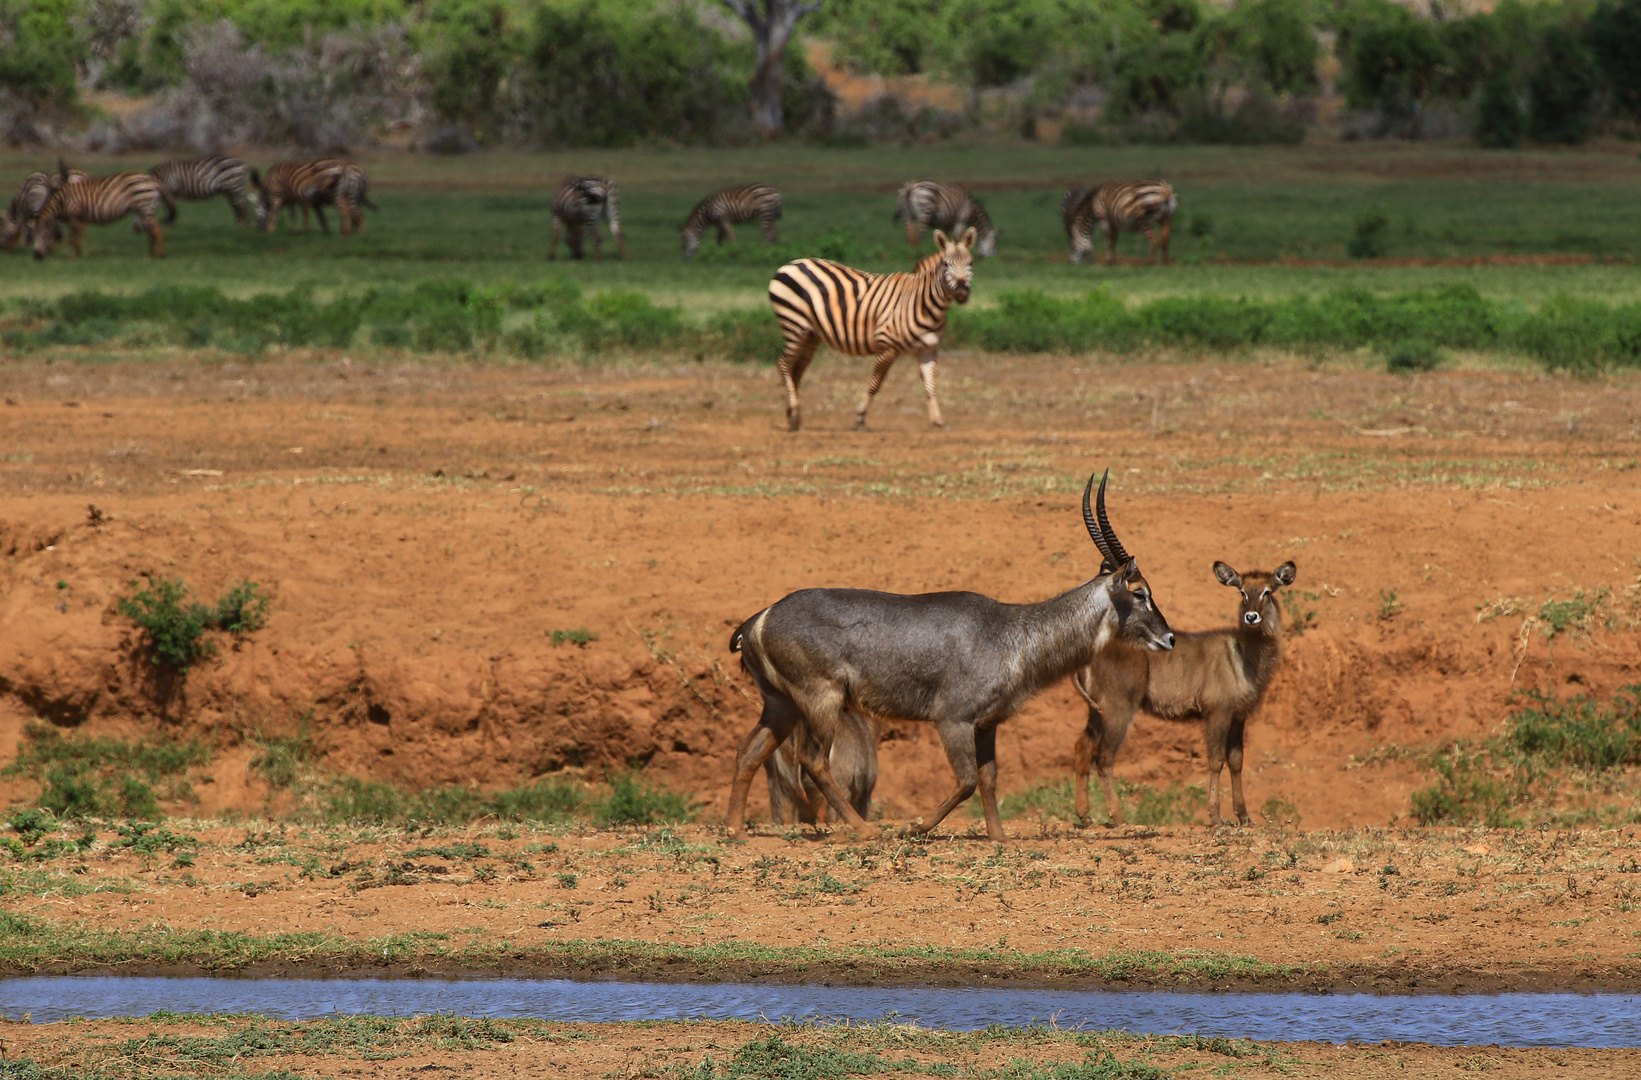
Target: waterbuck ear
(942, 242)
(968, 238)
(1285, 573)
(1227, 576)
(1120, 577)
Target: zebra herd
(48, 200)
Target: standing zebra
(862, 314)
(309, 185)
(931, 204)
(17, 220)
(352, 194)
(203, 178)
(100, 202)
(730, 207)
(577, 205)
(1143, 206)
(1077, 213)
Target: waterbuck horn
(1119, 557)
(1108, 563)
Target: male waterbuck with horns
(1218, 677)
(961, 661)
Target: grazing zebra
(353, 197)
(577, 205)
(17, 220)
(862, 314)
(1077, 212)
(1144, 206)
(100, 202)
(931, 204)
(203, 178)
(308, 185)
(730, 207)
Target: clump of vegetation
(630, 799)
(633, 800)
(1408, 357)
(580, 636)
(92, 776)
(29, 838)
(1176, 804)
(1493, 782)
(1370, 238)
(282, 760)
(176, 630)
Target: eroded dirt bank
(423, 531)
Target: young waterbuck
(1218, 677)
(961, 661)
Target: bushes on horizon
(1561, 90)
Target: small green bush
(1370, 237)
(1411, 356)
(1581, 731)
(745, 337)
(176, 631)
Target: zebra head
(956, 269)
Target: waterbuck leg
(1233, 757)
(959, 741)
(820, 770)
(1217, 732)
(985, 749)
(780, 716)
(926, 367)
(879, 371)
(1082, 764)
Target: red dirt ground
(422, 531)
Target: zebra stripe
(864, 314)
(17, 220)
(204, 178)
(1142, 206)
(577, 205)
(729, 207)
(931, 204)
(99, 202)
(305, 185)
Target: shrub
(1581, 731)
(1561, 90)
(1368, 239)
(1411, 356)
(749, 337)
(1500, 123)
(1613, 34)
(176, 632)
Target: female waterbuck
(961, 661)
(1217, 677)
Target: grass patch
(1519, 773)
(627, 799)
(1176, 804)
(92, 776)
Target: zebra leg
(319, 212)
(1110, 231)
(156, 240)
(1167, 228)
(879, 371)
(726, 232)
(771, 234)
(925, 367)
(794, 361)
(76, 235)
(552, 249)
(345, 209)
(598, 241)
(914, 233)
(620, 242)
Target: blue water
(1522, 1019)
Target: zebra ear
(942, 242)
(968, 238)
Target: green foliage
(176, 632)
(1561, 91)
(1490, 784)
(1411, 356)
(91, 776)
(1613, 34)
(372, 802)
(580, 636)
(1391, 57)
(612, 74)
(471, 48)
(634, 801)
(1500, 122)
(38, 52)
(282, 759)
(1274, 46)
(1368, 239)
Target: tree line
(460, 73)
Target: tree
(772, 23)
(1561, 91)
(1614, 35)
